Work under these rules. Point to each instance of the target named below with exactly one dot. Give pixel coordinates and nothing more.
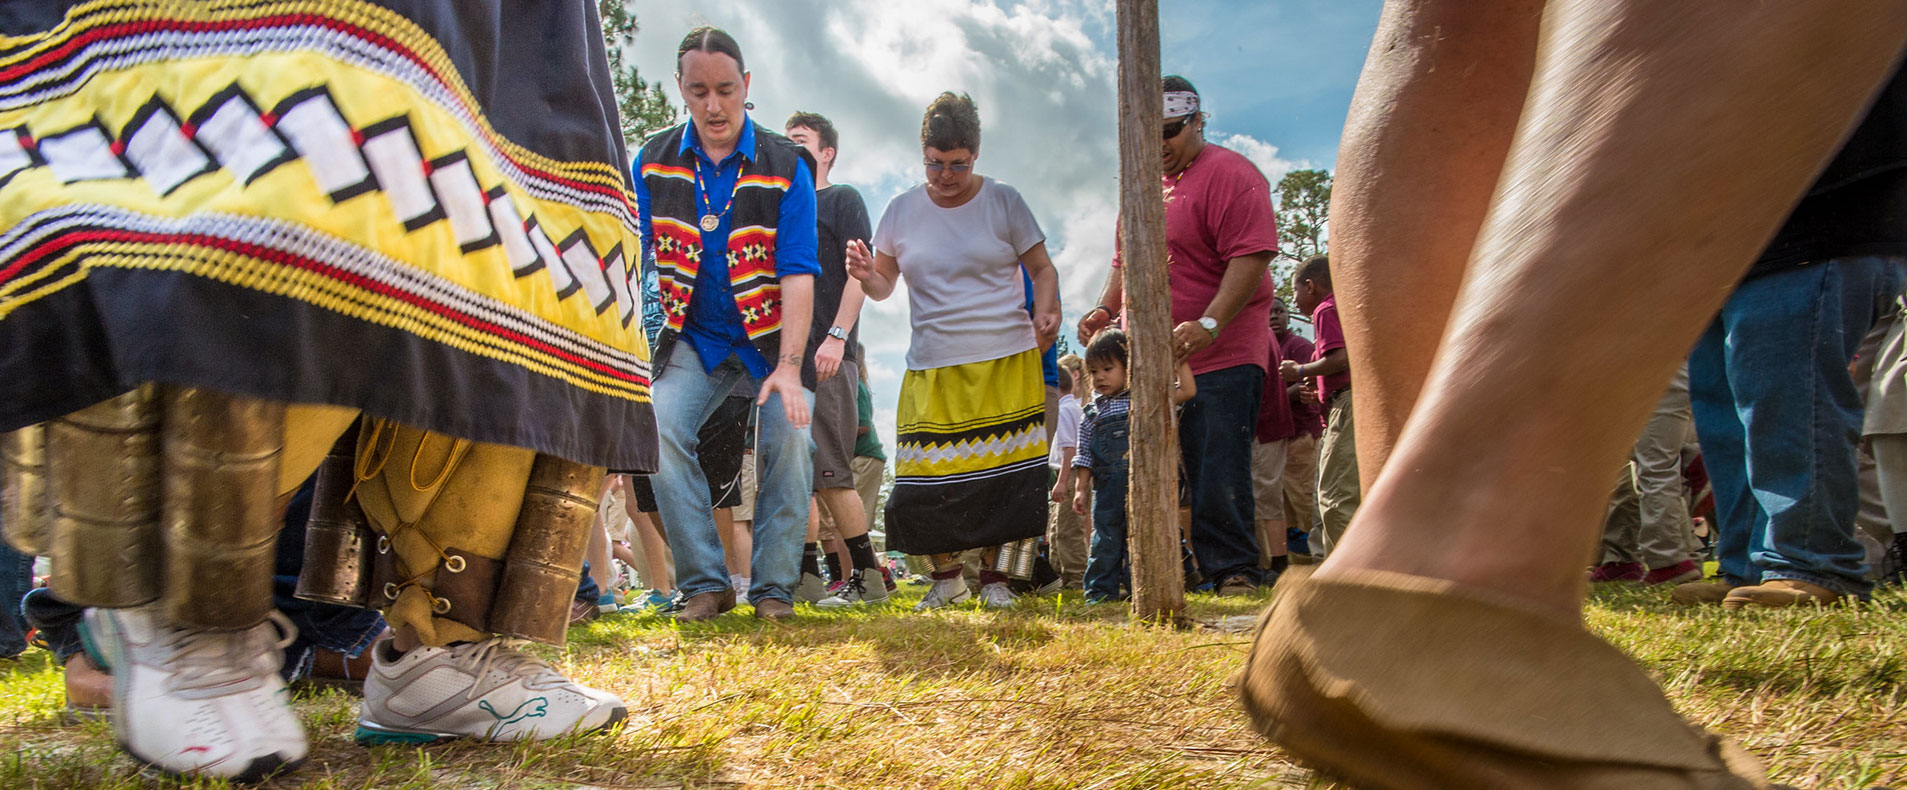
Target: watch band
(838, 333)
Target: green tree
(1304, 215)
(643, 106)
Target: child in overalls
(1102, 466)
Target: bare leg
(1415, 177)
(655, 570)
(601, 567)
(844, 506)
(1661, 147)
(738, 541)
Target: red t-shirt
(1324, 320)
(1218, 209)
(1274, 407)
(1306, 416)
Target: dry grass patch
(1050, 694)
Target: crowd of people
(1778, 449)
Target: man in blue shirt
(728, 210)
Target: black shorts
(719, 449)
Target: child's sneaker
(945, 592)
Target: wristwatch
(838, 333)
(1210, 324)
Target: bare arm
(1334, 362)
(877, 272)
(1045, 294)
(1111, 302)
(1186, 388)
(1242, 275)
(797, 310)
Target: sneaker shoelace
(501, 654)
(214, 663)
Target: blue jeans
(684, 397)
(1215, 435)
(16, 580)
(321, 626)
(1107, 566)
(1778, 416)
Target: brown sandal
(1395, 681)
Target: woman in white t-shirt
(970, 461)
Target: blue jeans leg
(1107, 566)
(1739, 522)
(16, 580)
(783, 484)
(684, 397)
(1215, 435)
(1786, 342)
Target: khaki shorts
(745, 509)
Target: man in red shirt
(1337, 490)
(1220, 236)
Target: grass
(1051, 694)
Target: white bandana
(1180, 103)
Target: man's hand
(1091, 323)
(786, 382)
(1079, 501)
(1288, 370)
(1046, 326)
(1058, 494)
(1189, 338)
(827, 357)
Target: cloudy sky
(1276, 77)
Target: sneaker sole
(258, 770)
(370, 734)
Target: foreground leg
(1416, 178)
(1686, 132)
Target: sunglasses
(959, 168)
(1172, 129)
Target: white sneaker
(485, 690)
(857, 592)
(996, 596)
(200, 703)
(945, 592)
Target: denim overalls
(1107, 568)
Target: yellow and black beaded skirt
(970, 457)
(418, 208)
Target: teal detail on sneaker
(542, 704)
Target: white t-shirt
(1067, 434)
(962, 267)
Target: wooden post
(1152, 502)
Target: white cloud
(1263, 154)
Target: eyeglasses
(959, 168)
(1172, 129)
